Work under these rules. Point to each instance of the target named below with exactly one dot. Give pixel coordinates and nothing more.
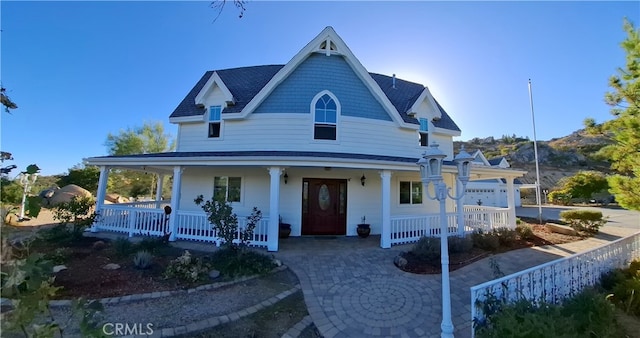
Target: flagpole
(535, 152)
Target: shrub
(187, 268)
(122, 247)
(624, 286)
(142, 259)
(59, 255)
(244, 263)
(427, 248)
(519, 221)
(588, 221)
(585, 315)
(486, 241)
(560, 197)
(155, 245)
(506, 236)
(225, 222)
(460, 244)
(525, 231)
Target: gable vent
(328, 46)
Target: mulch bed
(542, 236)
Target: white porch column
(101, 193)
(511, 202)
(159, 186)
(175, 201)
(460, 207)
(274, 208)
(385, 233)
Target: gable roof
(249, 86)
(245, 82)
(495, 161)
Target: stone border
(212, 322)
(162, 294)
(297, 329)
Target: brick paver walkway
(352, 288)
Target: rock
(59, 268)
(277, 262)
(111, 266)
(400, 261)
(99, 245)
(213, 274)
(66, 193)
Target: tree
(150, 138)
(584, 184)
(624, 129)
(83, 176)
(219, 6)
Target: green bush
(588, 314)
(122, 247)
(506, 236)
(559, 197)
(486, 240)
(525, 231)
(427, 249)
(155, 245)
(585, 221)
(58, 256)
(519, 221)
(460, 244)
(624, 287)
(233, 263)
(10, 191)
(187, 268)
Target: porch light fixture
(286, 177)
(363, 179)
(431, 172)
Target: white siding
(294, 132)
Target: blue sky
(81, 70)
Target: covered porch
(279, 186)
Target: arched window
(325, 118)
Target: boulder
(400, 261)
(111, 266)
(68, 192)
(59, 268)
(213, 274)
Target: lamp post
(27, 180)
(431, 172)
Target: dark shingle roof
(245, 82)
(495, 161)
(266, 153)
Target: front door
(324, 206)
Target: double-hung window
(215, 121)
(326, 116)
(410, 192)
(424, 132)
(227, 189)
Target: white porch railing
(193, 225)
(409, 229)
(551, 282)
(145, 204)
(154, 222)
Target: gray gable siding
(315, 74)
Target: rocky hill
(558, 157)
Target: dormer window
(325, 118)
(215, 121)
(424, 132)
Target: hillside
(558, 157)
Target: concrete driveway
(617, 217)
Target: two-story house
(319, 142)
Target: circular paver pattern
(378, 300)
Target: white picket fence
(147, 221)
(409, 229)
(556, 280)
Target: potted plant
(284, 228)
(364, 229)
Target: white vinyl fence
(556, 280)
(409, 229)
(154, 222)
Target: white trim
(186, 119)
(312, 109)
(208, 87)
(312, 47)
(426, 96)
(208, 122)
